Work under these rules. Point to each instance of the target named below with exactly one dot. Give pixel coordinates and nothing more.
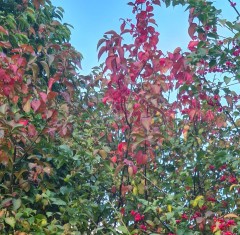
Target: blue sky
(92, 18)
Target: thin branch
(12, 170)
(226, 112)
(234, 7)
(31, 145)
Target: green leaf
(167, 2)
(226, 79)
(17, 204)
(180, 231)
(123, 229)
(202, 51)
(49, 214)
(3, 108)
(10, 221)
(212, 63)
(212, 35)
(58, 202)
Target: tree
(113, 152)
(37, 67)
(177, 161)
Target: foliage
(37, 67)
(146, 144)
(178, 159)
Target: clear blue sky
(92, 18)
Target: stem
(123, 171)
(31, 145)
(12, 170)
(145, 173)
(226, 112)
(234, 8)
(120, 218)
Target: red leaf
(128, 162)
(49, 113)
(141, 158)
(2, 30)
(120, 52)
(112, 32)
(100, 42)
(192, 114)
(177, 50)
(202, 36)
(192, 29)
(156, 2)
(27, 48)
(6, 90)
(192, 45)
(122, 27)
(155, 89)
(43, 96)
(105, 99)
(110, 61)
(122, 146)
(32, 130)
(52, 95)
(126, 31)
(5, 44)
(50, 83)
(114, 159)
(38, 3)
(55, 46)
(101, 51)
(154, 40)
(35, 104)
(153, 21)
(23, 122)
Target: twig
(31, 145)
(232, 5)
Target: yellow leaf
(2, 213)
(217, 232)
(46, 68)
(197, 200)
(230, 216)
(27, 106)
(232, 186)
(141, 188)
(102, 153)
(35, 70)
(150, 223)
(169, 207)
(199, 140)
(44, 222)
(216, 228)
(158, 210)
(238, 122)
(135, 190)
(146, 122)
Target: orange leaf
(2, 30)
(192, 29)
(27, 106)
(230, 216)
(146, 122)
